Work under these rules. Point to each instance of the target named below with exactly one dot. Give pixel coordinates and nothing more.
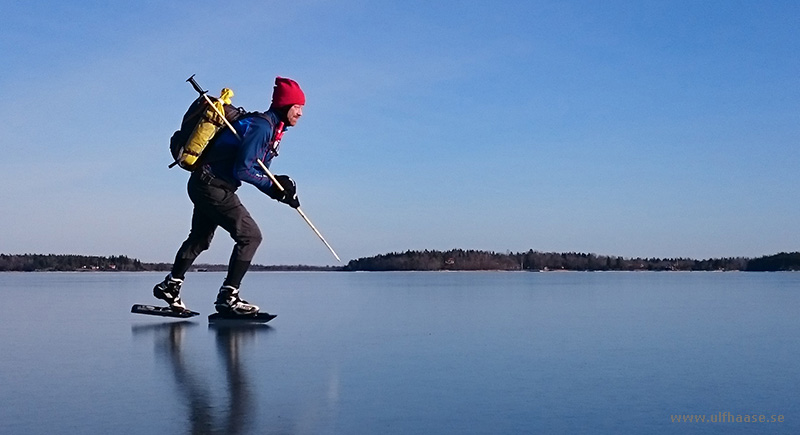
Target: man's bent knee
(248, 243)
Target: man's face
(294, 114)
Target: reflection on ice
(234, 412)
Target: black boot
(230, 304)
(170, 290)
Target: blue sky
(633, 128)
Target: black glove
(289, 193)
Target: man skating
(230, 160)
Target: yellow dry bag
(199, 126)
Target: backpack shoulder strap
(277, 130)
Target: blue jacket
(234, 160)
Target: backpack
(199, 126)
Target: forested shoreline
(114, 263)
(551, 261)
(456, 259)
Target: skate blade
(233, 318)
(153, 310)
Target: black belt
(207, 177)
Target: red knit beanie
(286, 93)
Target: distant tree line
(69, 263)
(777, 262)
(52, 262)
(436, 260)
(459, 259)
(456, 259)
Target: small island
(427, 260)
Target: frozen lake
(391, 353)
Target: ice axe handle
(303, 215)
(195, 85)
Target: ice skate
(229, 304)
(169, 290)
